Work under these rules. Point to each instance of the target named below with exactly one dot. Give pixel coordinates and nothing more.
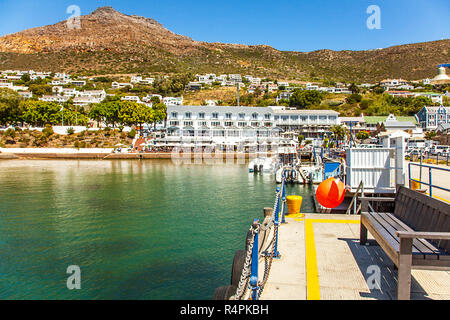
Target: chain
(245, 272)
(268, 265)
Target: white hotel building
(221, 125)
(309, 123)
(250, 125)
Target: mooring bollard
(268, 212)
(254, 267)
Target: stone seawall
(124, 156)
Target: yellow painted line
(312, 272)
(334, 221)
(440, 198)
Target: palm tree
(339, 132)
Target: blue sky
(298, 25)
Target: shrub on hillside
(132, 134)
(48, 130)
(10, 133)
(70, 131)
(354, 98)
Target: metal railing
(421, 157)
(430, 177)
(250, 272)
(354, 200)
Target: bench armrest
(376, 199)
(423, 235)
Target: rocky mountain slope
(111, 42)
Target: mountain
(110, 42)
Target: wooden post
(364, 205)
(362, 234)
(404, 269)
(268, 212)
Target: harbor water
(136, 229)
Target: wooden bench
(416, 235)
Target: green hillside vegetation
(106, 138)
(16, 111)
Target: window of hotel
(203, 124)
(188, 133)
(313, 118)
(228, 116)
(304, 119)
(201, 115)
(268, 124)
(332, 118)
(215, 123)
(228, 124)
(267, 116)
(277, 118)
(188, 115)
(174, 115)
(218, 133)
(188, 123)
(254, 116)
(233, 133)
(174, 123)
(295, 118)
(241, 116)
(323, 118)
(215, 115)
(255, 124)
(242, 124)
(284, 118)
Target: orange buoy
(331, 193)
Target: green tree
(354, 98)
(155, 100)
(354, 88)
(25, 78)
(40, 89)
(362, 135)
(302, 99)
(10, 109)
(159, 113)
(132, 113)
(429, 135)
(339, 132)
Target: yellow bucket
(294, 204)
(415, 185)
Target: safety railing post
(255, 261)
(283, 199)
(276, 254)
(430, 182)
(409, 174)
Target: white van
(440, 150)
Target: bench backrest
(423, 213)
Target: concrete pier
(322, 260)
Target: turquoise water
(137, 229)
